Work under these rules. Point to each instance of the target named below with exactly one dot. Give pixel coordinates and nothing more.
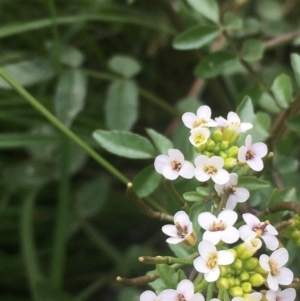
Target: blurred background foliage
(67, 228)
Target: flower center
(217, 226)
(198, 122)
(181, 231)
(199, 139)
(260, 229)
(212, 260)
(250, 154)
(175, 165)
(180, 297)
(210, 169)
(236, 123)
(232, 189)
(274, 267)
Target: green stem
(220, 294)
(57, 123)
(201, 286)
(60, 232)
(226, 296)
(168, 259)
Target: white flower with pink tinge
(207, 168)
(219, 228)
(274, 265)
(184, 292)
(202, 118)
(254, 228)
(149, 296)
(252, 154)
(251, 297)
(288, 294)
(234, 122)
(174, 165)
(182, 230)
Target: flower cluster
(225, 255)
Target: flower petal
(246, 232)
(281, 256)
(272, 282)
(221, 177)
(213, 237)
(170, 230)
(206, 248)
(288, 294)
(225, 257)
(251, 220)
(168, 295)
(242, 154)
(242, 194)
(212, 275)
(256, 164)
(200, 265)
(176, 154)
(201, 176)
(260, 149)
(206, 219)
(160, 162)
(230, 235)
(271, 295)
(198, 297)
(228, 217)
(264, 262)
(187, 170)
(271, 241)
(285, 277)
(186, 288)
(169, 173)
(188, 119)
(148, 296)
(174, 240)
(204, 112)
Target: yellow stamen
(212, 260)
(198, 122)
(210, 169)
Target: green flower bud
(247, 287)
(230, 163)
(298, 242)
(244, 275)
(233, 152)
(200, 148)
(233, 251)
(260, 270)
(224, 145)
(216, 150)
(210, 145)
(236, 291)
(295, 234)
(222, 283)
(234, 137)
(250, 264)
(208, 154)
(231, 281)
(237, 264)
(223, 155)
(217, 135)
(227, 132)
(256, 279)
(237, 282)
(243, 252)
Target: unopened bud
(236, 291)
(233, 152)
(222, 283)
(223, 155)
(244, 275)
(237, 264)
(208, 154)
(217, 136)
(260, 270)
(231, 281)
(234, 137)
(237, 282)
(250, 264)
(216, 150)
(224, 145)
(256, 279)
(225, 270)
(190, 240)
(230, 163)
(210, 145)
(247, 287)
(227, 132)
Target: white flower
(252, 153)
(274, 265)
(149, 296)
(202, 118)
(182, 231)
(209, 260)
(254, 228)
(219, 228)
(183, 292)
(251, 297)
(288, 294)
(252, 244)
(234, 122)
(236, 194)
(199, 136)
(174, 165)
(207, 168)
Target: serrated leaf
(252, 183)
(162, 143)
(121, 106)
(208, 8)
(168, 275)
(214, 64)
(196, 37)
(125, 144)
(28, 73)
(282, 90)
(192, 196)
(70, 95)
(295, 61)
(124, 65)
(252, 50)
(146, 181)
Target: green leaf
(124, 65)
(28, 73)
(71, 56)
(245, 110)
(194, 213)
(286, 164)
(162, 143)
(91, 197)
(192, 196)
(232, 21)
(208, 8)
(203, 191)
(195, 37)
(267, 102)
(294, 124)
(121, 107)
(282, 90)
(214, 64)
(275, 198)
(146, 181)
(168, 275)
(252, 183)
(70, 95)
(181, 275)
(181, 251)
(270, 10)
(125, 144)
(157, 285)
(252, 50)
(295, 61)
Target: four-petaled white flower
(219, 228)
(207, 168)
(199, 136)
(251, 297)
(274, 265)
(181, 231)
(202, 118)
(236, 194)
(174, 165)
(288, 294)
(149, 296)
(234, 122)
(209, 260)
(183, 292)
(254, 228)
(252, 154)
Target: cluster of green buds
(292, 231)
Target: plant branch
(282, 206)
(168, 259)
